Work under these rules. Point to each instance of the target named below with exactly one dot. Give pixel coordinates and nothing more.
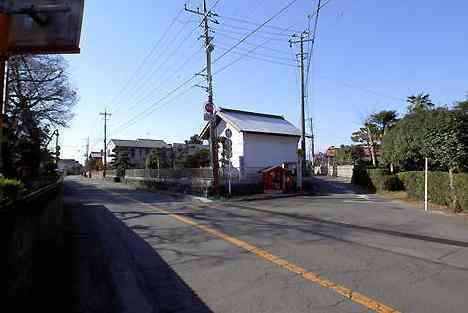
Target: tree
(40, 99)
(419, 102)
(94, 165)
(384, 120)
(160, 158)
(199, 159)
(195, 139)
(121, 163)
(368, 136)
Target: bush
(376, 180)
(438, 187)
(10, 189)
(461, 187)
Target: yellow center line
(350, 294)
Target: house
(69, 167)
(258, 140)
(188, 148)
(95, 156)
(137, 150)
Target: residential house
(137, 150)
(95, 156)
(258, 140)
(69, 167)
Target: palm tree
(419, 102)
(384, 120)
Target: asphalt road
(339, 251)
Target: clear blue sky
(370, 55)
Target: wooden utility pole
(301, 39)
(87, 152)
(4, 34)
(208, 17)
(105, 114)
(312, 144)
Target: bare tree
(40, 99)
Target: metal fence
(247, 175)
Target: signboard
(208, 117)
(227, 148)
(44, 26)
(209, 108)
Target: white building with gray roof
(258, 140)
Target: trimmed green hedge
(10, 189)
(438, 187)
(461, 187)
(376, 180)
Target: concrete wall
(28, 229)
(343, 171)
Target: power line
(261, 36)
(159, 104)
(142, 96)
(256, 47)
(186, 82)
(172, 74)
(260, 54)
(252, 44)
(252, 23)
(225, 25)
(146, 58)
(248, 55)
(214, 5)
(255, 30)
(162, 62)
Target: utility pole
(105, 114)
(87, 152)
(208, 17)
(301, 39)
(4, 33)
(57, 147)
(312, 144)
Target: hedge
(375, 180)
(10, 189)
(438, 187)
(461, 187)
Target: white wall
(261, 151)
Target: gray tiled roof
(140, 143)
(259, 123)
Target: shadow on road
(324, 185)
(117, 271)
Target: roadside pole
(4, 33)
(230, 178)
(426, 208)
(208, 16)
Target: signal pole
(208, 16)
(301, 39)
(105, 114)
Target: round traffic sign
(209, 107)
